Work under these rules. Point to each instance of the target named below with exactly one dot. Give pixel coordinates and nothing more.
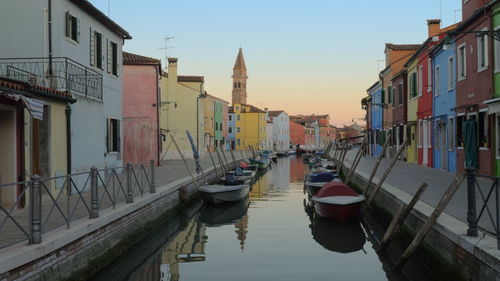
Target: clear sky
(309, 56)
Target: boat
(337, 201)
(347, 237)
(262, 163)
(315, 181)
(218, 193)
(292, 152)
(241, 174)
(283, 154)
(226, 213)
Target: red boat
(337, 201)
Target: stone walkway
(408, 177)
(73, 206)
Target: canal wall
(89, 245)
(447, 249)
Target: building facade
(281, 130)
(377, 134)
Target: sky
(304, 57)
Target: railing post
(36, 210)
(130, 195)
(471, 202)
(94, 194)
(152, 188)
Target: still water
(273, 235)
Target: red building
(297, 134)
(474, 82)
(141, 137)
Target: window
(230, 130)
(461, 62)
(497, 52)
(459, 130)
(112, 58)
(389, 94)
(413, 85)
(420, 133)
(237, 129)
(451, 136)
(450, 73)
(437, 132)
(96, 58)
(230, 117)
(113, 139)
(238, 142)
(400, 93)
(238, 117)
(437, 81)
(482, 52)
(72, 27)
(382, 96)
(483, 129)
(429, 76)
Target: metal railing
(489, 199)
(59, 73)
(42, 205)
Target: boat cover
(216, 188)
(322, 177)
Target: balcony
(60, 73)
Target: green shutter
(389, 93)
(382, 99)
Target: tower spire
(239, 79)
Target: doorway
(8, 152)
(444, 149)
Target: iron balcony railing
(59, 73)
(488, 201)
(45, 204)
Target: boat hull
(226, 196)
(341, 213)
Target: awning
(34, 106)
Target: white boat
(217, 193)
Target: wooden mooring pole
(213, 162)
(455, 184)
(185, 162)
(375, 168)
(224, 171)
(355, 162)
(387, 171)
(400, 217)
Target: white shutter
(109, 52)
(103, 53)
(77, 30)
(92, 47)
(119, 57)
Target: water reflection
(187, 245)
(297, 169)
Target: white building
(268, 142)
(281, 130)
(72, 47)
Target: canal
(273, 235)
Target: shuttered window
(112, 57)
(113, 136)
(72, 27)
(389, 93)
(96, 49)
(400, 93)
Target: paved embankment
(471, 258)
(88, 244)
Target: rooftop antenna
(167, 38)
(378, 65)
(109, 8)
(455, 14)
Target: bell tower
(240, 80)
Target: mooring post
(130, 195)
(152, 187)
(471, 202)
(94, 194)
(375, 168)
(36, 210)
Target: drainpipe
(158, 130)
(50, 36)
(68, 139)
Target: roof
(402, 47)
(215, 98)
(19, 87)
(274, 113)
(187, 78)
(253, 109)
(129, 58)
(240, 61)
(101, 17)
(399, 74)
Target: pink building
(141, 133)
(297, 134)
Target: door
(425, 146)
(8, 165)
(444, 149)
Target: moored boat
(217, 193)
(262, 163)
(337, 201)
(315, 181)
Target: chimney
(434, 27)
(172, 78)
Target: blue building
(443, 105)
(377, 133)
(231, 142)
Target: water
(273, 235)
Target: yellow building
(209, 120)
(411, 127)
(250, 126)
(182, 109)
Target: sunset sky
(314, 56)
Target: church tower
(240, 80)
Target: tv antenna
(167, 38)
